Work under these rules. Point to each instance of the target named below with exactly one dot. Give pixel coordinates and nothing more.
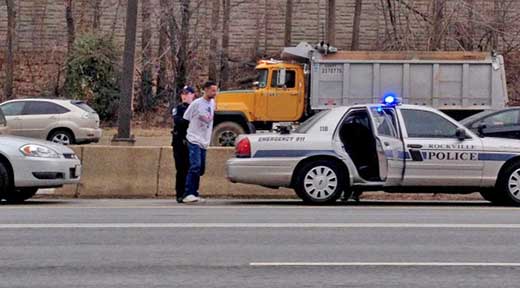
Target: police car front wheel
(509, 185)
(320, 182)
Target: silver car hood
(7, 141)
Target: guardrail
(149, 172)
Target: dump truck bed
(444, 80)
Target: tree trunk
(163, 43)
(225, 44)
(215, 16)
(331, 22)
(127, 79)
(71, 30)
(288, 23)
(182, 57)
(145, 100)
(174, 32)
(437, 23)
(356, 25)
(97, 15)
(9, 71)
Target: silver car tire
(320, 182)
(62, 137)
(19, 195)
(4, 180)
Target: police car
(388, 147)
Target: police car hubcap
(320, 182)
(514, 184)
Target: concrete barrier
(147, 172)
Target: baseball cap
(188, 89)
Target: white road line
(383, 264)
(255, 225)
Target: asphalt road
(158, 243)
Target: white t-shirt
(200, 113)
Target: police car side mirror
(461, 134)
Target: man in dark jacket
(179, 142)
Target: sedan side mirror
(461, 134)
(481, 128)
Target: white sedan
(29, 164)
(393, 148)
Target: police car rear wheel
(509, 185)
(320, 182)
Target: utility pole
(127, 79)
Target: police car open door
(390, 147)
(439, 152)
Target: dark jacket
(180, 125)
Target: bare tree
(356, 25)
(174, 31)
(163, 49)
(288, 23)
(69, 17)
(127, 81)
(146, 49)
(9, 71)
(331, 22)
(437, 29)
(224, 72)
(213, 42)
(96, 5)
(181, 74)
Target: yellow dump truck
(314, 78)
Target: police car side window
(426, 124)
(384, 121)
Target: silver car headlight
(33, 150)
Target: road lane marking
(382, 264)
(254, 225)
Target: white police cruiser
(393, 148)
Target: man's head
(187, 94)
(210, 90)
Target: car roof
(476, 117)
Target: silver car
(29, 164)
(393, 148)
(60, 121)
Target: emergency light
(390, 99)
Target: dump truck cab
(278, 95)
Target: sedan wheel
(320, 182)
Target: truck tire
(19, 195)
(508, 185)
(319, 182)
(225, 134)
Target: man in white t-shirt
(200, 114)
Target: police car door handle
(414, 146)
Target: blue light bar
(390, 99)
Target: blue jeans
(197, 168)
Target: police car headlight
(32, 150)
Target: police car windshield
(305, 126)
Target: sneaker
(179, 200)
(201, 199)
(190, 199)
